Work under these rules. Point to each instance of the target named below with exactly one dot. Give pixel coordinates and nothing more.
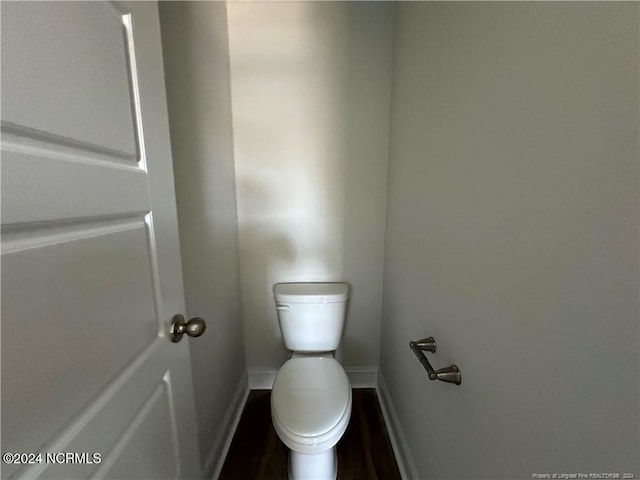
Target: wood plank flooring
(364, 451)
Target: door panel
(91, 273)
(107, 425)
(94, 303)
(82, 48)
(151, 435)
(93, 187)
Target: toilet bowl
(310, 410)
(311, 395)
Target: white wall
(196, 59)
(311, 93)
(512, 237)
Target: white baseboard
(362, 377)
(261, 379)
(359, 377)
(399, 443)
(218, 452)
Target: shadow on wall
(289, 158)
(310, 150)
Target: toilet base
(320, 466)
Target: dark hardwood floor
(364, 451)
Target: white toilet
(311, 396)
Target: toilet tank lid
(311, 292)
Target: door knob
(194, 327)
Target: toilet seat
(311, 403)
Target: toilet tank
(311, 315)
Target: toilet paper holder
(449, 374)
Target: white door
(91, 272)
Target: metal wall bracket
(449, 374)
